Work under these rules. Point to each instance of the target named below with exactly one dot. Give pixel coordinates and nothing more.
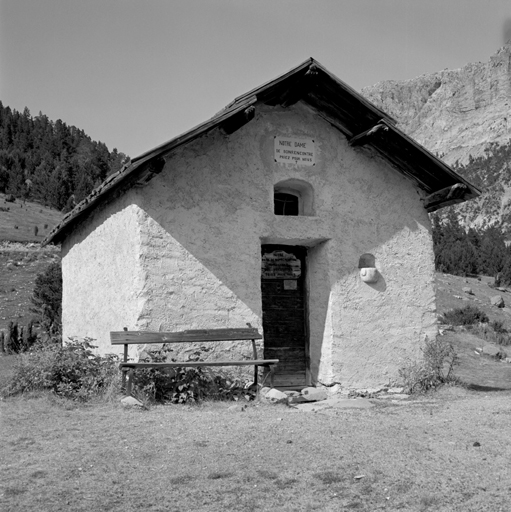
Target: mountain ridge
(453, 113)
(463, 116)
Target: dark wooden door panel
(283, 302)
(289, 353)
(284, 312)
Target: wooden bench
(198, 336)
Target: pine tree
(58, 160)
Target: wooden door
(285, 312)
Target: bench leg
(272, 372)
(130, 382)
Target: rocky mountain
(464, 116)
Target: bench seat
(183, 364)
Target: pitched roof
(359, 120)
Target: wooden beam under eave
(365, 137)
(153, 168)
(446, 196)
(301, 87)
(238, 120)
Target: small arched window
(292, 197)
(286, 204)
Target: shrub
(19, 339)
(71, 371)
(184, 385)
(497, 335)
(435, 368)
(469, 315)
(498, 326)
(47, 298)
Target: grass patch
(100, 456)
(217, 475)
(181, 480)
(26, 215)
(488, 333)
(329, 477)
(269, 475)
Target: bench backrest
(202, 335)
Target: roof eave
(271, 92)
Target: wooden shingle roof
(360, 121)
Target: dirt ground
(447, 452)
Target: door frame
(305, 258)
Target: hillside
(21, 257)
(478, 371)
(463, 115)
(49, 161)
(19, 220)
(20, 264)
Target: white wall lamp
(368, 271)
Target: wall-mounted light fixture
(368, 271)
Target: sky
(136, 73)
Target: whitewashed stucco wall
(102, 276)
(195, 235)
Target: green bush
(435, 369)
(497, 335)
(18, 339)
(469, 315)
(498, 326)
(47, 299)
(185, 385)
(71, 370)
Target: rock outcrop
(453, 113)
(462, 115)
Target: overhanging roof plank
(395, 162)
(439, 165)
(235, 122)
(364, 137)
(453, 193)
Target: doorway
(284, 300)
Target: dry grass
(20, 265)
(446, 452)
(26, 215)
(413, 457)
(450, 295)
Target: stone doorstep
(315, 399)
(130, 401)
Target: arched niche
(294, 196)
